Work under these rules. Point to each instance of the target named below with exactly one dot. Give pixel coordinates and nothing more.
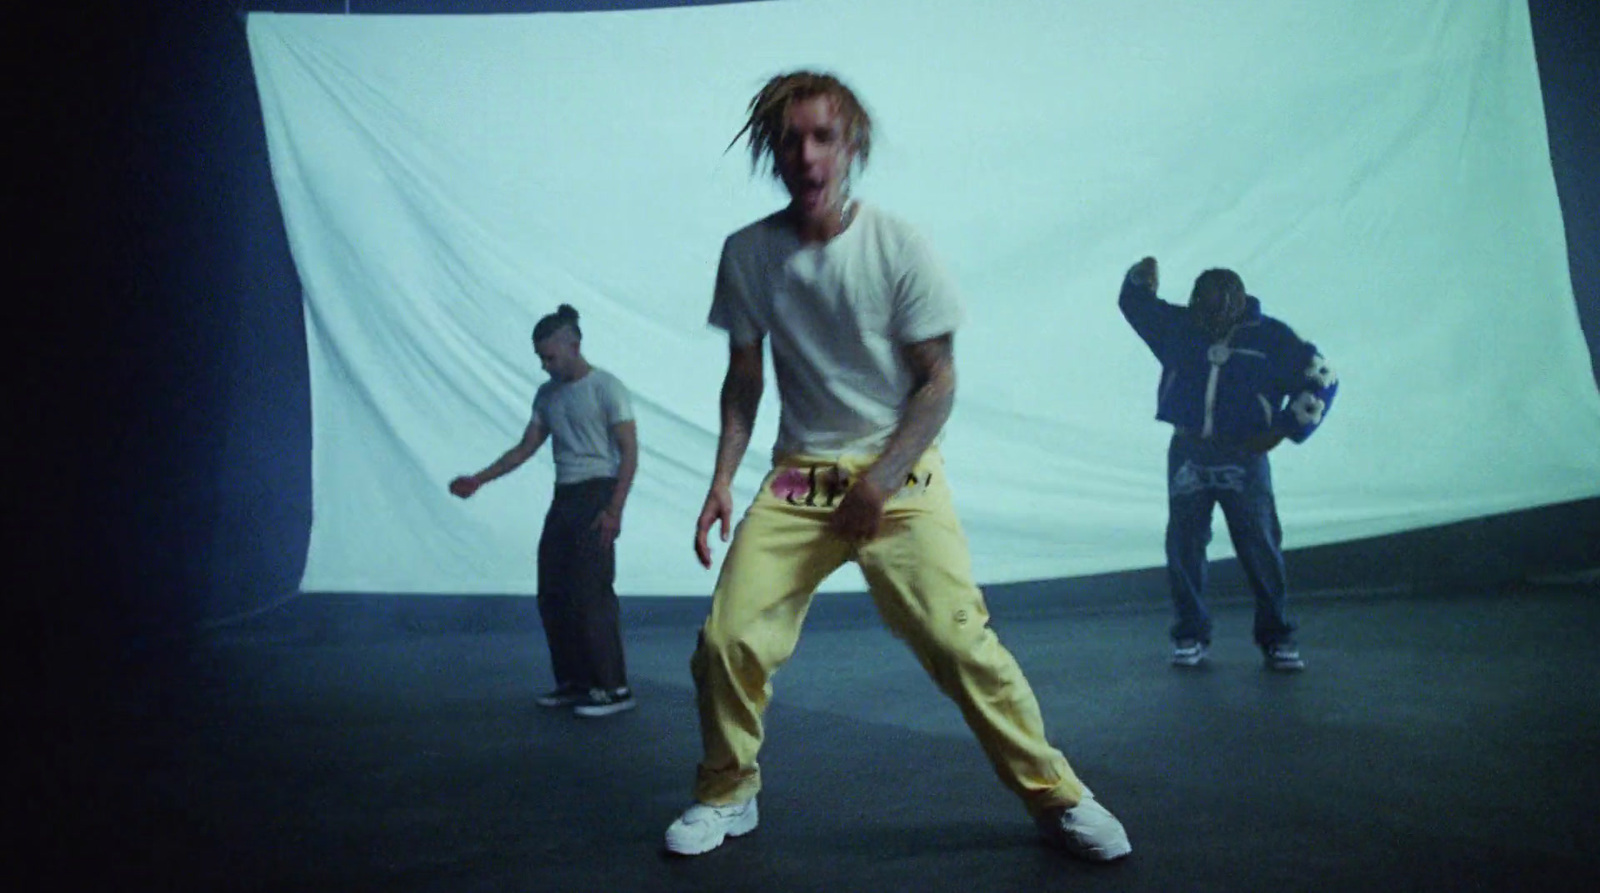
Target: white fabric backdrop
(1378, 172)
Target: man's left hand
(610, 526)
(860, 512)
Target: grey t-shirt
(579, 416)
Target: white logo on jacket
(1321, 372)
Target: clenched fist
(1145, 273)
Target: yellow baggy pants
(919, 571)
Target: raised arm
(1154, 319)
(741, 395)
(933, 396)
(533, 437)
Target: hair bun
(567, 311)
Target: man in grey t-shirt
(586, 412)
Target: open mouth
(811, 192)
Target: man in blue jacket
(1234, 384)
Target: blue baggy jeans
(1202, 474)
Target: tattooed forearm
(932, 398)
(741, 395)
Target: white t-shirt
(838, 314)
(579, 416)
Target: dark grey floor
(1438, 743)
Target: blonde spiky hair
(768, 115)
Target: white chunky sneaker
(1088, 830)
(703, 828)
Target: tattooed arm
(741, 395)
(933, 395)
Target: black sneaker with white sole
(1283, 657)
(563, 696)
(604, 702)
(1188, 653)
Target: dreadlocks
(1219, 298)
(769, 108)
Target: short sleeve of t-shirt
(615, 402)
(926, 301)
(541, 405)
(730, 302)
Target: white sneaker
(1088, 830)
(703, 828)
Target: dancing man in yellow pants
(861, 320)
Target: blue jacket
(1261, 377)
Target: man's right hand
(718, 508)
(464, 486)
(1146, 273)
